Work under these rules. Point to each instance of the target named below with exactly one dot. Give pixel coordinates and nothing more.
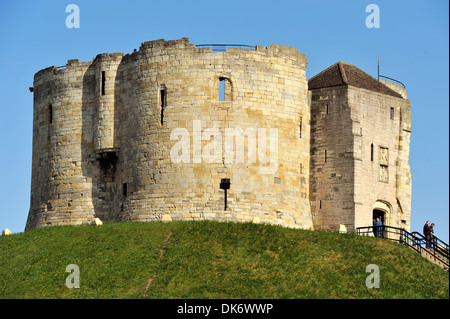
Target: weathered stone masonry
(103, 134)
(360, 137)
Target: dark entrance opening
(106, 191)
(378, 231)
(108, 162)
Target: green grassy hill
(210, 260)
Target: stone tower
(174, 131)
(146, 137)
(360, 137)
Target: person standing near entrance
(427, 232)
(378, 227)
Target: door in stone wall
(381, 215)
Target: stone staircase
(431, 256)
(438, 255)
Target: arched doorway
(381, 209)
(378, 214)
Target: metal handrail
(223, 47)
(434, 243)
(386, 77)
(413, 240)
(434, 238)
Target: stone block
(97, 222)
(166, 218)
(6, 232)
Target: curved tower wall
(127, 144)
(105, 121)
(267, 89)
(60, 191)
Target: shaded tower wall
(332, 159)
(61, 193)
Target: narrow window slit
(125, 190)
(103, 82)
(50, 113)
(163, 98)
(300, 126)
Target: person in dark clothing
(433, 237)
(378, 228)
(427, 232)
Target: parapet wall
(143, 136)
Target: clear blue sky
(412, 43)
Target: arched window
(225, 89)
(221, 92)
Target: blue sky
(412, 44)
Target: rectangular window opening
(103, 82)
(371, 152)
(325, 156)
(300, 126)
(125, 189)
(50, 113)
(392, 113)
(326, 109)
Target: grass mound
(210, 260)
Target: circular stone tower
(173, 132)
